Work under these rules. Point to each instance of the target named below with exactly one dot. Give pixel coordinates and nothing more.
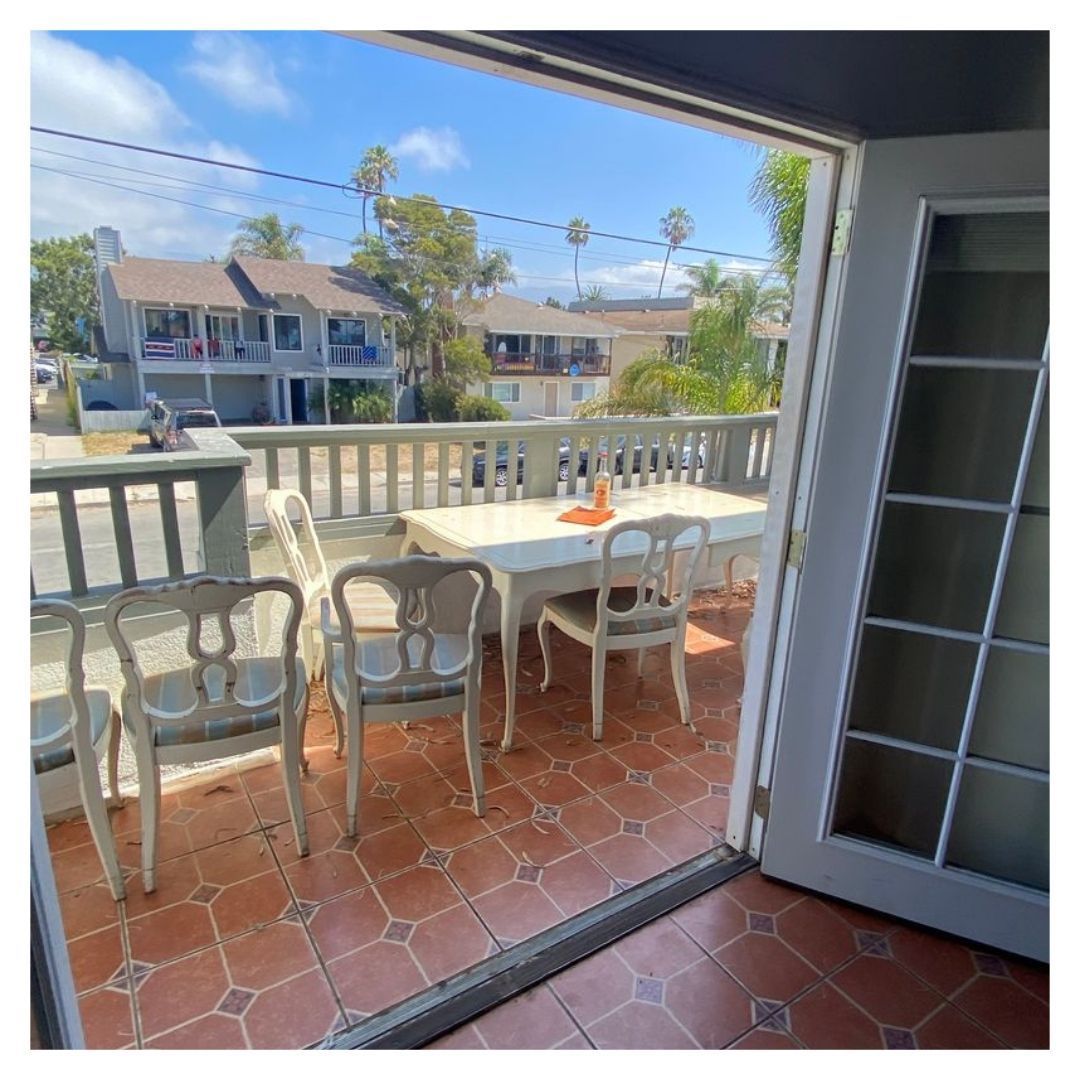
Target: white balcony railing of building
(359, 356)
(356, 478)
(257, 352)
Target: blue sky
(310, 103)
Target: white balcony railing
(352, 475)
(359, 356)
(241, 352)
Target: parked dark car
(169, 418)
(502, 462)
(616, 466)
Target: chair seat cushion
(373, 608)
(256, 678)
(50, 712)
(579, 610)
(379, 657)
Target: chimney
(107, 250)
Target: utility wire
(310, 232)
(356, 189)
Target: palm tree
(676, 227)
(267, 238)
(577, 236)
(707, 280)
(494, 269)
(778, 191)
(376, 167)
(595, 293)
(726, 370)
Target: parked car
(45, 371)
(502, 462)
(686, 456)
(169, 418)
(616, 466)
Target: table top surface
(525, 535)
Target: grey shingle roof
(173, 281)
(335, 288)
(510, 314)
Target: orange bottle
(602, 485)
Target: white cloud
(76, 89)
(239, 70)
(433, 150)
(644, 274)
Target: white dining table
(529, 551)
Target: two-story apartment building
(663, 324)
(544, 360)
(244, 334)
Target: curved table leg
(509, 630)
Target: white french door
(912, 765)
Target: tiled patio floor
(246, 945)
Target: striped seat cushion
(50, 712)
(579, 610)
(172, 691)
(379, 657)
(397, 695)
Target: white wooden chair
(217, 705)
(651, 612)
(373, 609)
(71, 730)
(415, 672)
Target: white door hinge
(841, 234)
(796, 548)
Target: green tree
(706, 280)
(376, 167)
(428, 260)
(552, 302)
(577, 237)
(494, 270)
(595, 293)
(267, 238)
(778, 191)
(676, 227)
(63, 289)
(465, 362)
(726, 370)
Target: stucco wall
(534, 397)
(236, 395)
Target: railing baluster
(443, 495)
(303, 454)
(466, 473)
(391, 478)
(170, 529)
(489, 471)
(590, 468)
(335, 481)
(418, 476)
(73, 552)
(363, 476)
(125, 553)
(677, 449)
(711, 447)
(759, 450)
(511, 470)
(645, 477)
(627, 458)
(273, 478)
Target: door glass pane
(895, 797)
(1037, 488)
(1024, 612)
(1002, 827)
(986, 289)
(913, 687)
(1012, 719)
(961, 431)
(935, 565)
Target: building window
(581, 346)
(287, 333)
(506, 392)
(223, 327)
(513, 344)
(347, 331)
(167, 323)
(582, 391)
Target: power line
(310, 232)
(345, 189)
(183, 183)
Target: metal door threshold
(440, 1009)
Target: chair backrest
(77, 729)
(411, 655)
(309, 573)
(656, 591)
(203, 602)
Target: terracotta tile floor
(246, 945)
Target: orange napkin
(586, 515)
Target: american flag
(160, 350)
